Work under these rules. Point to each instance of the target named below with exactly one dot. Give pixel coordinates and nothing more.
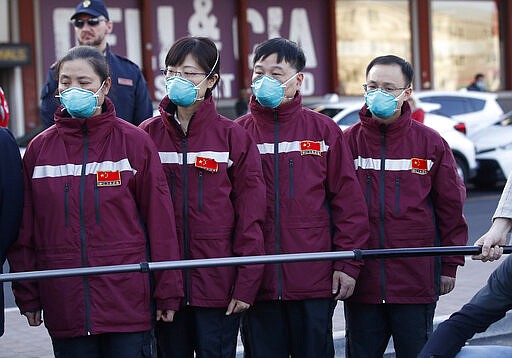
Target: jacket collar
(284, 112)
(201, 119)
(97, 127)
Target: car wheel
(462, 168)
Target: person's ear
(110, 27)
(299, 79)
(107, 85)
(212, 80)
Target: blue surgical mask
(79, 102)
(182, 92)
(381, 103)
(269, 92)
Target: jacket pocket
(66, 201)
(200, 193)
(290, 169)
(368, 190)
(171, 184)
(397, 195)
(97, 203)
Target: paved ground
(22, 341)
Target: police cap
(94, 8)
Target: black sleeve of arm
(11, 191)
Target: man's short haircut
(479, 76)
(285, 49)
(406, 67)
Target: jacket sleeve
(249, 201)
(11, 191)
(489, 305)
(346, 202)
(154, 200)
(21, 255)
(448, 196)
(504, 208)
(144, 105)
(49, 103)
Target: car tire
(462, 168)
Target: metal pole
(248, 260)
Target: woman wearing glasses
(215, 178)
(95, 195)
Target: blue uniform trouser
(106, 345)
(282, 329)
(370, 326)
(207, 332)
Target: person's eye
(371, 87)
(390, 89)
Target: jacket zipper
(382, 189)
(186, 242)
(200, 190)
(276, 205)
(82, 231)
(290, 165)
(397, 195)
(66, 198)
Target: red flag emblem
(310, 147)
(104, 178)
(207, 164)
(419, 166)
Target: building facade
(448, 42)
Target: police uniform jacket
(314, 202)
(414, 198)
(95, 194)
(129, 92)
(215, 179)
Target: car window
(350, 118)
(452, 106)
(331, 112)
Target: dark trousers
(369, 327)
(280, 329)
(206, 331)
(107, 345)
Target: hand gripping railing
(248, 260)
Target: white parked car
(463, 149)
(477, 110)
(494, 152)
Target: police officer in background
(129, 91)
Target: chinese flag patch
(310, 147)
(207, 164)
(108, 178)
(419, 166)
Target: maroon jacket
(216, 183)
(314, 202)
(414, 200)
(95, 194)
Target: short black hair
(202, 49)
(406, 67)
(285, 49)
(479, 76)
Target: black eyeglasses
(92, 21)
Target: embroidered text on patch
(419, 166)
(207, 164)
(105, 178)
(310, 147)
